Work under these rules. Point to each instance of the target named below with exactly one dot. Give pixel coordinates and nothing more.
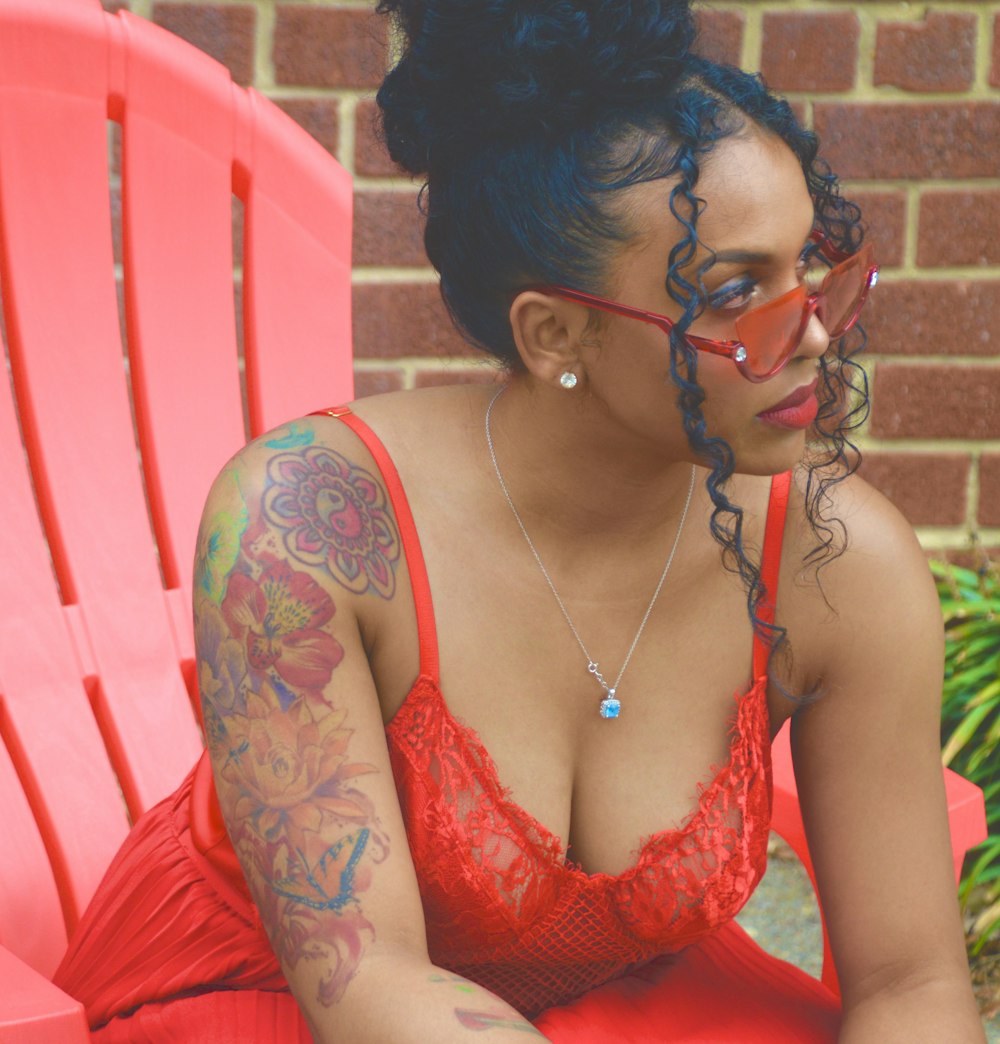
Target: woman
(549, 831)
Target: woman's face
(757, 218)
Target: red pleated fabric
(167, 923)
(723, 990)
(172, 949)
(219, 1017)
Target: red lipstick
(795, 411)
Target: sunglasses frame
(735, 349)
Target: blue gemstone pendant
(610, 707)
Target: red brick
(929, 488)
(810, 51)
(959, 228)
(938, 54)
(375, 382)
(936, 402)
(224, 31)
(388, 229)
(395, 320)
(799, 108)
(989, 490)
(319, 116)
(720, 35)
(328, 47)
(479, 375)
(995, 67)
(884, 216)
(955, 317)
(910, 140)
(371, 157)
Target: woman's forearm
(409, 1001)
(925, 1014)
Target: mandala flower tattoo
(334, 515)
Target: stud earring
(568, 380)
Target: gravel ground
(783, 918)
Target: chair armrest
(786, 822)
(966, 817)
(33, 1010)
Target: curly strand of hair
(727, 519)
(843, 389)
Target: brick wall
(906, 97)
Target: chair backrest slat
(70, 381)
(31, 923)
(52, 743)
(296, 270)
(107, 449)
(63, 814)
(177, 154)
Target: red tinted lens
(843, 292)
(771, 332)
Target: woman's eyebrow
(750, 257)
(742, 257)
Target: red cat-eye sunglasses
(769, 334)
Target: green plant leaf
(963, 732)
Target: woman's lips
(796, 411)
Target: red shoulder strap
(426, 628)
(770, 566)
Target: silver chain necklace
(610, 704)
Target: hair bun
(474, 72)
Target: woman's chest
(513, 670)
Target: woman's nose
(815, 339)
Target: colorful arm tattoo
(308, 837)
(483, 1020)
(333, 515)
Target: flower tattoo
(334, 515)
(219, 545)
(279, 618)
(302, 825)
(289, 769)
(287, 785)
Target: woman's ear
(548, 332)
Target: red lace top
(503, 907)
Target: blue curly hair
(526, 119)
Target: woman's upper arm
(867, 760)
(292, 719)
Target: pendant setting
(610, 706)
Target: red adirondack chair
(96, 653)
(96, 650)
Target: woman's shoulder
(865, 529)
(411, 422)
(872, 576)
